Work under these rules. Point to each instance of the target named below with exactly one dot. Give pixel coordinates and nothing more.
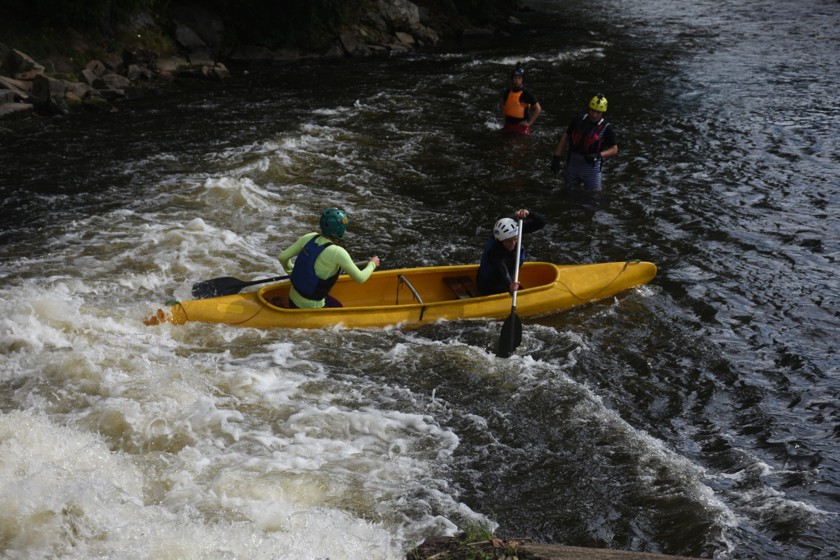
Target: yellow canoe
(413, 296)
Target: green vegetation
(476, 533)
(476, 542)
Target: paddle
(228, 285)
(511, 335)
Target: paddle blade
(511, 336)
(216, 287)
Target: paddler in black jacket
(498, 261)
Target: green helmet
(334, 222)
(598, 103)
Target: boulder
(208, 27)
(400, 14)
(172, 64)
(114, 62)
(189, 39)
(95, 68)
(14, 111)
(21, 63)
(44, 88)
(353, 46)
(20, 88)
(201, 58)
(112, 81)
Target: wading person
(320, 259)
(520, 107)
(498, 260)
(588, 140)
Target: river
(696, 416)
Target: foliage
(476, 533)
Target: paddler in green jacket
(320, 259)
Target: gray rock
(400, 14)
(189, 39)
(44, 88)
(14, 111)
(353, 46)
(201, 58)
(208, 26)
(22, 63)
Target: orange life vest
(513, 107)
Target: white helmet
(505, 229)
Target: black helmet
(518, 71)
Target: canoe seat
(463, 286)
(279, 301)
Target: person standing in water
(519, 106)
(589, 140)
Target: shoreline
(70, 71)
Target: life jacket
(582, 142)
(512, 107)
(304, 279)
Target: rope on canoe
(606, 286)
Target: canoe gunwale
(552, 288)
(400, 276)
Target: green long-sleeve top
(327, 264)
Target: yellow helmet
(598, 103)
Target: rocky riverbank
(145, 52)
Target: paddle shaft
(516, 271)
(264, 280)
(229, 285)
(511, 335)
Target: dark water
(695, 416)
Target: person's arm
(609, 141)
(345, 262)
(535, 111)
(293, 250)
(533, 222)
(562, 144)
(609, 152)
(558, 153)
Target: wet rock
(189, 39)
(390, 27)
(44, 88)
(15, 111)
(22, 65)
(354, 46)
